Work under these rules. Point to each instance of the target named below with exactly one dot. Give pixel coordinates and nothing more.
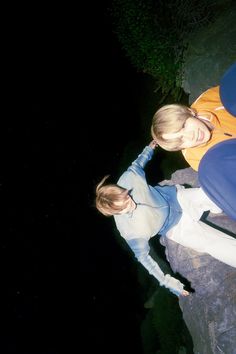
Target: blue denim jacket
(157, 211)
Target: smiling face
(176, 127)
(193, 133)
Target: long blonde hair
(107, 195)
(170, 119)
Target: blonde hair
(170, 119)
(107, 196)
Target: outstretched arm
(142, 159)
(141, 249)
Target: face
(128, 205)
(193, 133)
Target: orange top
(210, 108)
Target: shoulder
(208, 99)
(124, 180)
(129, 179)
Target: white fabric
(195, 234)
(194, 202)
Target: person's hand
(185, 293)
(153, 144)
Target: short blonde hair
(170, 119)
(107, 195)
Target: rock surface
(210, 311)
(211, 51)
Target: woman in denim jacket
(142, 211)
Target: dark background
(113, 297)
(67, 281)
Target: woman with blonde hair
(142, 211)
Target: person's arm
(142, 159)
(141, 249)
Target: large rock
(210, 311)
(211, 51)
(189, 177)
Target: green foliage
(152, 34)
